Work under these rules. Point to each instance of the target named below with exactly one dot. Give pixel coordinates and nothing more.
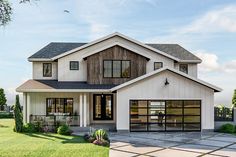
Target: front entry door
(103, 107)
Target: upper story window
(158, 65)
(47, 69)
(116, 68)
(74, 65)
(183, 68)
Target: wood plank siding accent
(95, 65)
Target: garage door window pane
(174, 104)
(156, 127)
(193, 119)
(138, 127)
(138, 119)
(192, 111)
(173, 127)
(174, 111)
(174, 119)
(192, 104)
(196, 127)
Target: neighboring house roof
(57, 50)
(54, 85)
(216, 89)
(175, 50)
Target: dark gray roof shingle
(74, 85)
(56, 48)
(175, 50)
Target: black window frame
(157, 62)
(183, 115)
(45, 69)
(71, 62)
(121, 68)
(64, 105)
(184, 65)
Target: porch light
(167, 82)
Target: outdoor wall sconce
(167, 82)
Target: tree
(18, 116)
(3, 99)
(5, 12)
(234, 99)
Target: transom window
(74, 65)
(47, 69)
(183, 68)
(59, 106)
(116, 68)
(158, 65)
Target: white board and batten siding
(154, 87)
(192, 69)
(38, 71)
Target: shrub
(64, 130)
(29, 128)
(100, 134)
(6, 115)
(227, 128)
(18, 116)
(89, 138)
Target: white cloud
(217, 20)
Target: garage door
(165, 115)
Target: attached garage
(165, 100)
(162, 115)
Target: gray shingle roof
(175, 50)
(74, 85)
(56, 48)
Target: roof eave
(190, 61)
(40, 59)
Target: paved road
(188, 144)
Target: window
(74, 65)
(62, 106)
(116, 68)
(183, 68)
(47, 69)
(158, 65)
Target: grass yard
(44, 145)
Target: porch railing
(55, 120)
(224, 114)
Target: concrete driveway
(187, 144)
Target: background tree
(234, 99)
(3, 99)
(5, 12)
(18, 116)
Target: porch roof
(57, 86)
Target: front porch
(84, 110)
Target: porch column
(81, 110)
(24, 107)
(85, 110)
(28, 113)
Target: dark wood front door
(103, 107)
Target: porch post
(81, 110)
(28, 113)
(24, 107)
(85, 110)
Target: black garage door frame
(165, 130)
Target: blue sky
(207, 28)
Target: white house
(119, 82)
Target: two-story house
(122, 82)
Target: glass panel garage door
(160, 115)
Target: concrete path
(187, 144)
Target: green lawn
(44, 145)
